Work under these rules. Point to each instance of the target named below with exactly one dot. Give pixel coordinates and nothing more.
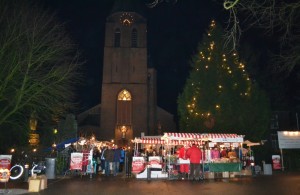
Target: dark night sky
(174, 31)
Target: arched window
(134, 38)
(124, 95)
(124, 110)
(117, 40)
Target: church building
(128, 98)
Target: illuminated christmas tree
(219, 96)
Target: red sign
(76, 161)
(5, 161)
(138, 164)
(276, 162)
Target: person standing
(128, 162)
(184, 168)
(103, 159)
(195, 156)
(116, 160)
(96, 159)
(109, 158)
(224, 153)
(122, 159)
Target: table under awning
(224, 167)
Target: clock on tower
(126, 19)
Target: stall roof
(214, 137)
(190, 138)
(162, 141)
(62, 144)
(144, 140)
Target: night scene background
(174, 31)
(175, 28)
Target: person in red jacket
(195, 155)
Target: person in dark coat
(103, 150)
(128, 162)
(96, 158)
(116, 160)
(109, 158)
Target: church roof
(129, 6)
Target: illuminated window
(124, 96)
(124, 110)
(134, 38)
(117, 40)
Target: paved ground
(281, 183)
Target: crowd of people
(110, 159)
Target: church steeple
(125, 73)
(128, 97)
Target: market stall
(213, 159)
(221, 153)
(79, 155)
(148, 159)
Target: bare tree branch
(40, 64)
(276, 18)
(154, 3)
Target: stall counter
(224, 167)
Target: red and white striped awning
(224, 137)
(149, 140)
(183, 142)
(214, 137)
(183, 136)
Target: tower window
(117, 41)
(124, 110)
(134, 38)
(124, 95)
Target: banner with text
(76, 161)
(288, 139)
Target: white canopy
(214, 137)
(144, 140)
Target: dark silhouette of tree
(39, 67)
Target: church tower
(128, 98)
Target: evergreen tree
(219, 96)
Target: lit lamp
(123, 130)
(33, 123)
(33, 137)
